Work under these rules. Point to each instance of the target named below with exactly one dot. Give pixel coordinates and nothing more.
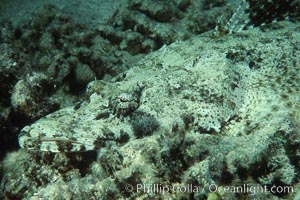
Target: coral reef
(147, 25)
(29, 96)
(206, 117)
(72, 50)
(36, 169)
(228, 115)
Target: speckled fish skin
(72, 130)
(236, 86)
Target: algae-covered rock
(228, 115)
(29, 96)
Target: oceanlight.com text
(212, 188)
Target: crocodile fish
(74, 129)
(235, 86)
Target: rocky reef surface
(136, 109)
(49, 56)
(207, 112)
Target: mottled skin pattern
(82, 128)
(230, 87)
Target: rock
(227, 110)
